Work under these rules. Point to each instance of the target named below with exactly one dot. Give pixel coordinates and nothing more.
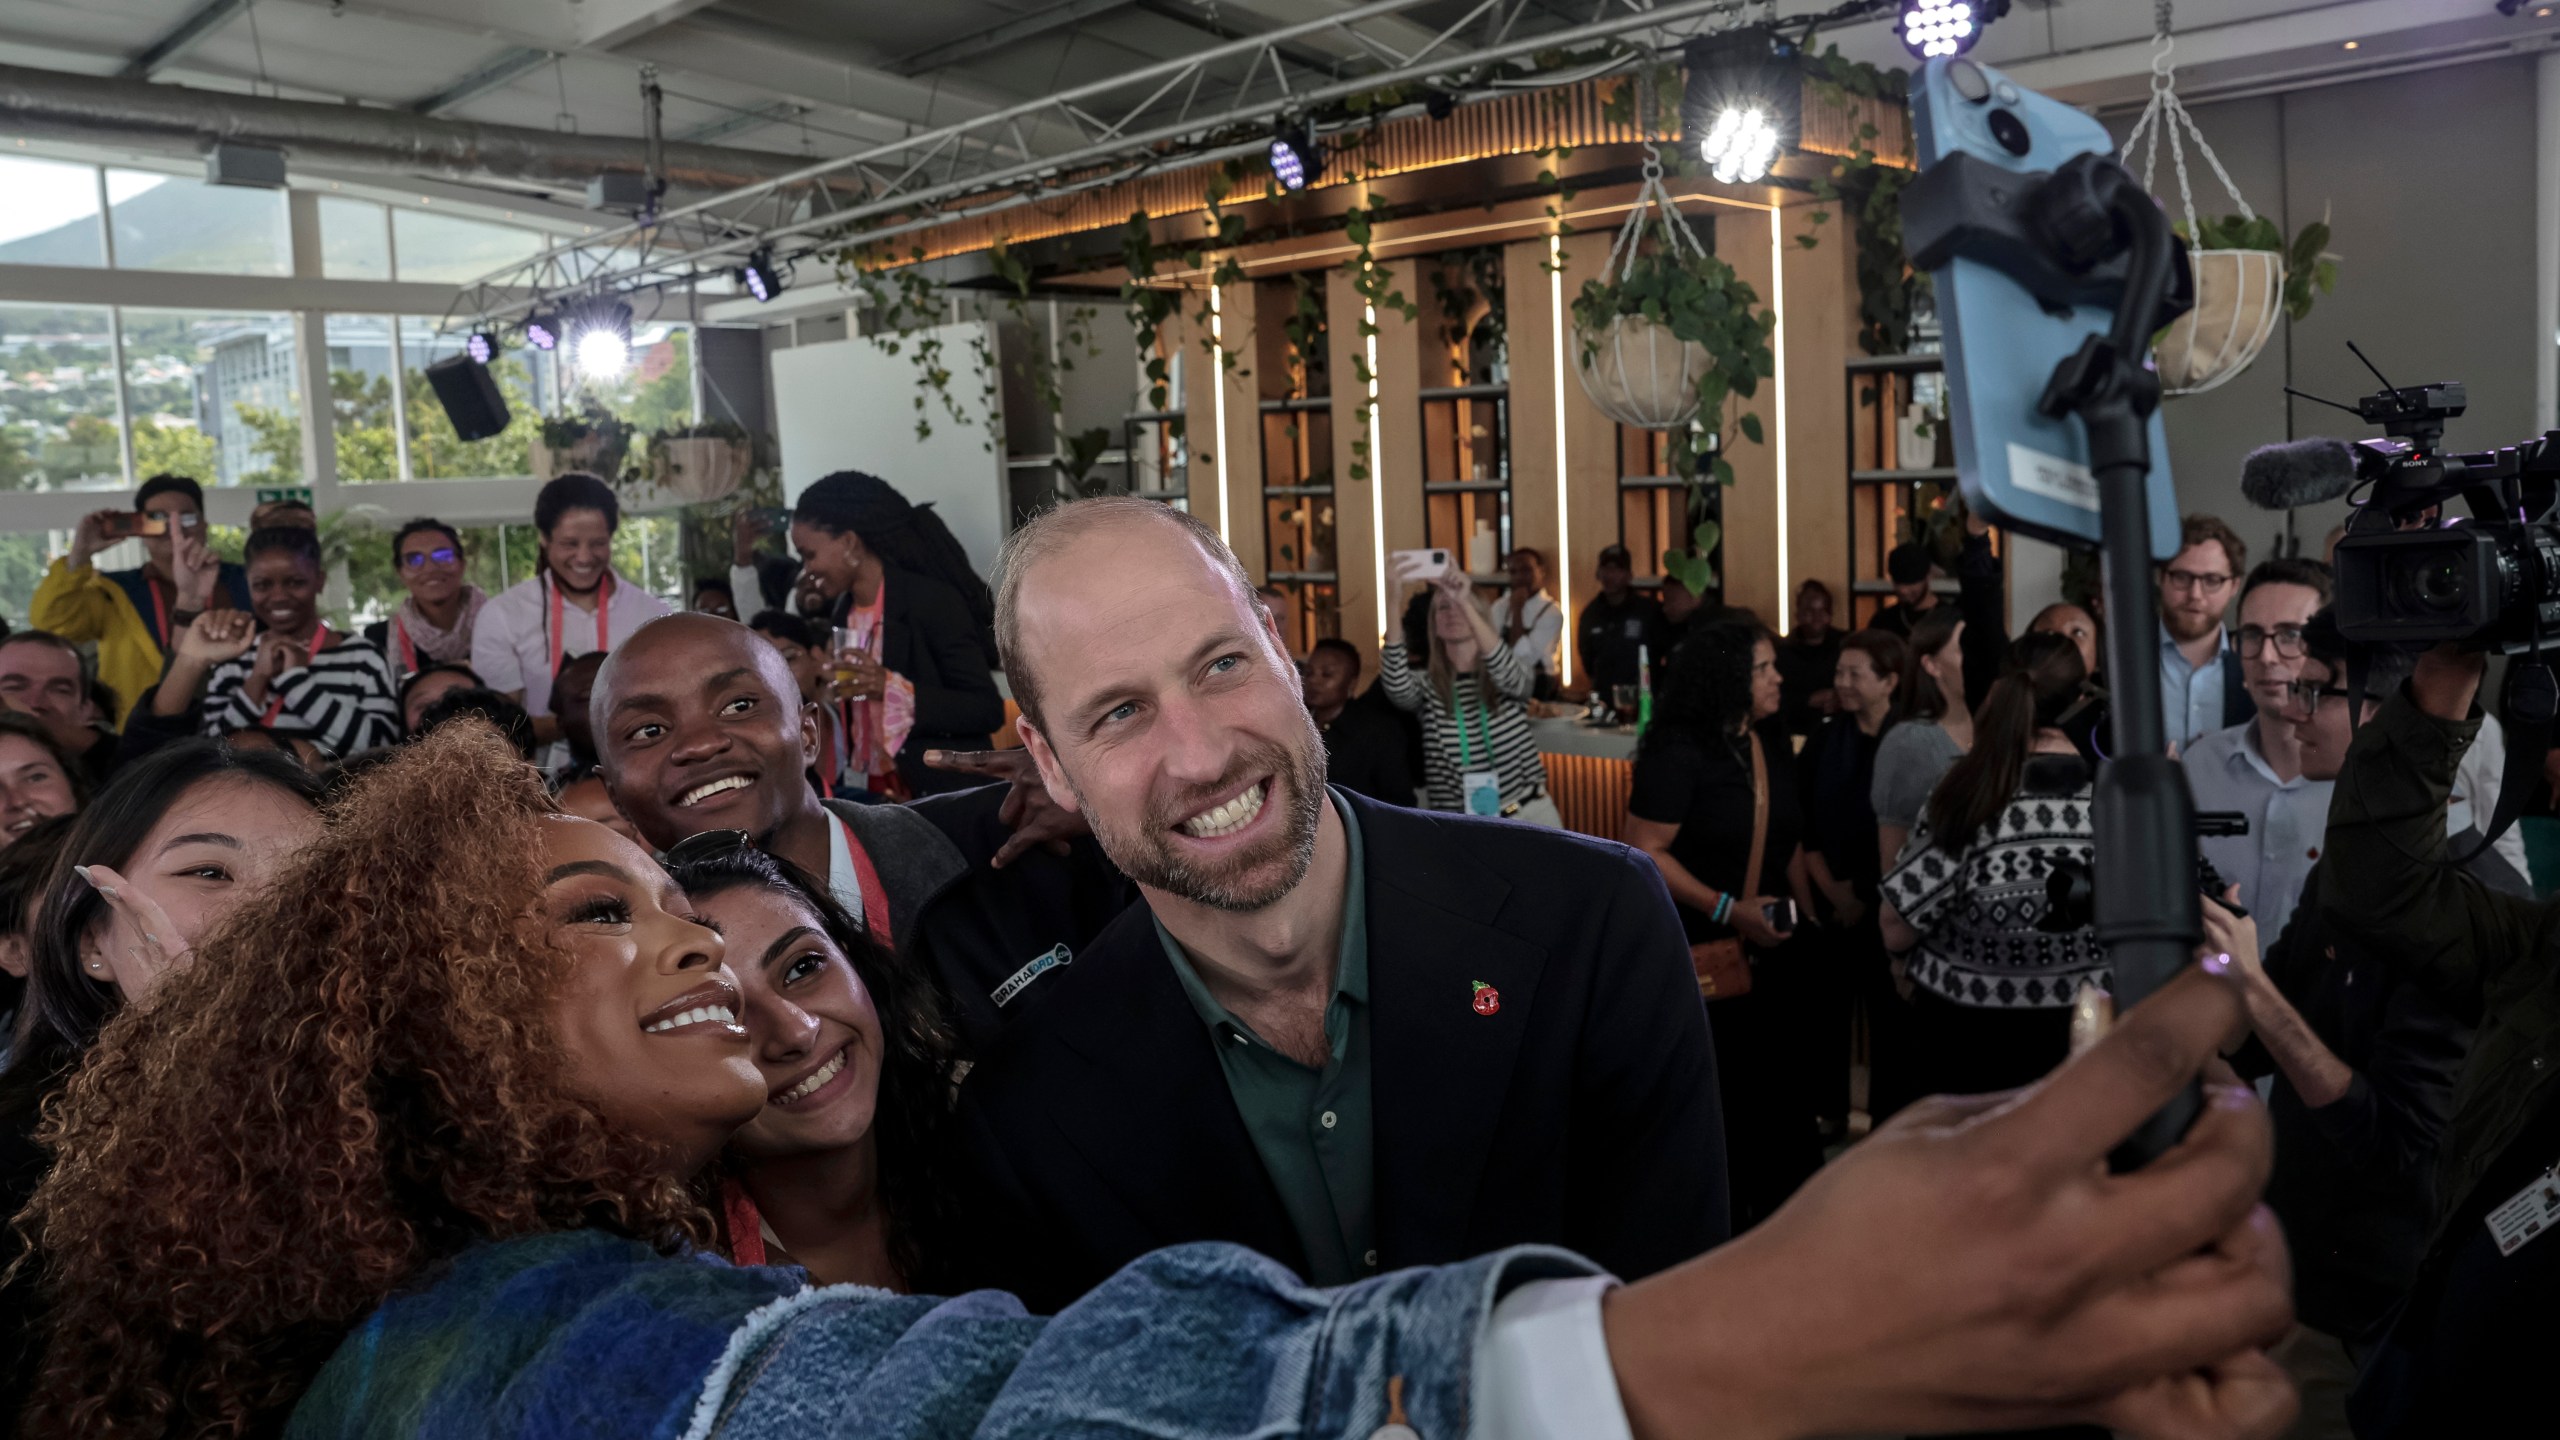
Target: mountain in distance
(168, 227)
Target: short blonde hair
(1053, 530)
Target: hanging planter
(701, 463)
(2245, 275)
(595, 442)
(1639, 373)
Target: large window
(165, 222)
(436, 452)
(51, 217)
(214, 395)
(453, 250)
(361, 397)
(58, 399)
(656, 391)
(355, 239)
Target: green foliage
(1870, 193)
(1082, 452)
(1695, 567)
(905, 307)
(559, 432)
(1377, 290)
(1149, 307)
(1305, 331)
(2309, 270)
(1458, 279)
(1698, 298)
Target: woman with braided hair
(923, 624)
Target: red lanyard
(746, 1225)
(275, 700)
(159, 611)
(554, 634)
(408, 652)
(866, 878)
(829, 763)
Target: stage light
(1743, 104)
(1931, 28)
(600, 338)
(1741, 146)
(758, 277)
(481, 346)
(542, 330)
(1296, 159)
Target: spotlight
(1296, 159)
(1931, 28)
(600, 338)
(759, 277)
(1743, 103)
(481, 345)
(542, 330)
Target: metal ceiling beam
(772, 112)
(1014, 31)
(1183, 14)
(508, 65)
(182, 37)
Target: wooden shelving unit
(1300, 555)
(1882, 495)
(1654, 512)
(1466, 472)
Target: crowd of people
(526, 1012)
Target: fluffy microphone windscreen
(2298, 472)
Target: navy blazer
(1582, 1113)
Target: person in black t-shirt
(1691, 809)
(1844, 866)
(1364, 750)
(1618, 621)
(1806, 659)
(1910, 568)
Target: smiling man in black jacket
(1353, 1037)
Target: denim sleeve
(1201, 1340)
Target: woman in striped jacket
(1477, 753)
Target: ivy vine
(1869, 192)
(1458, 279)
(1377, 290)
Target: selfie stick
(2077, 226)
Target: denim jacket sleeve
(1200, 1340)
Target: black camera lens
(2011, 132)
(1968, 80)
(2431, 582)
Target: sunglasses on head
(694, 849)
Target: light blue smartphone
(2017, 467)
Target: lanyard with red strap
(408, 651)
(866, 878)
(159, 611)
(275, 699)
(557, 637)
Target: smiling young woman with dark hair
(839, 1166)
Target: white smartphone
(1423, 565)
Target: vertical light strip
(1564, 500)
(1218, 401)
(1377, 476)
(1778, 362)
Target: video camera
(2490, 581)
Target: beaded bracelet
(1724, 907)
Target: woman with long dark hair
(1936, 727)
(39, 780)
(571, 604)
(918, 674)
(1714, 802)
(837, 1173)
(151, 867)
(1993, 990)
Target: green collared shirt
(1311, 1127)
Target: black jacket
(1364, 753)
(933, 643)
(1582, 1113)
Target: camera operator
(2466, 1354)
(2363, 1056)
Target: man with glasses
(2255, 767)
(2201, 687)
(2363, 1057)
(133, 615)
(432, 626)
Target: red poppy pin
(1488, 999)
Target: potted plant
(702, 462)
(2245, 273)
(593, 440)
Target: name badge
(1021, 979)
(1483, 789)
(2533, 1210)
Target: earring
(96, 967)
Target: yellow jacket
(87, 607)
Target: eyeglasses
(421, 559)
(2306, 695)
(2288, 638)
(2189, 580)
(693, 849)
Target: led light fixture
(481, 346)
(1931, 28)
(758, 277)
(1296, 159)
(542, 330)
(600, 337)
(1743, 103)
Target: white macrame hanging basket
(1634, 369)
(2239, 293)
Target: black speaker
(470, 397)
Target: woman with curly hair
(412, 1151)
(1714, 803)
(837, 1172)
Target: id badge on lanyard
(2532, 1211)
(1482, 789)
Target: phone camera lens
(1969, 80)
(2011, 132)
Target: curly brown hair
(357, 1078)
